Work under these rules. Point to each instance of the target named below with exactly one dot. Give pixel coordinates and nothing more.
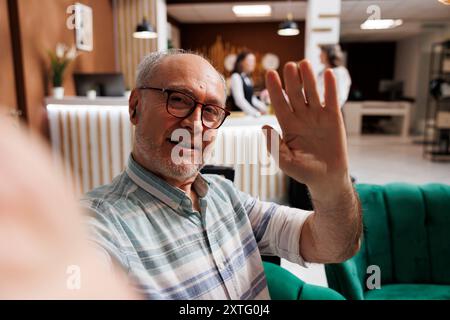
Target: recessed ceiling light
(258, 10)
(447, 2)
(377, 24)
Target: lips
(182, 144)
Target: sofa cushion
(283, 285)
(313, 292)
(409, 292)
(376, 246)
(408, 233)
(437, 204)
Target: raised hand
(313, 149)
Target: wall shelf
(436, 145)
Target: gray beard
(156, 162)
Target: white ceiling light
(288, 27)
(262, 10)
(377, 24)
(447, 2)
(144, 30)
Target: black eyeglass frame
(170, 91)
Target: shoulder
(218, 183)
(104, 199)
(236, 77)
(220, 187)
(342, 71)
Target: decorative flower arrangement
(59, 60)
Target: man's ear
(133, 105)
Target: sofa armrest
(344, 278)
(283, 285)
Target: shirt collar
(159, 188)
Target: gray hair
(146, 68)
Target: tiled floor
(380, 160)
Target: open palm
(313, 149)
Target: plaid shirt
(173, 252)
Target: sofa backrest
(407, 232)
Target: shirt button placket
(221, 265)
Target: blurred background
(67, 69)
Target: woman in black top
(241, 95)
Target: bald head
(148, 68)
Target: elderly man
(183, 235)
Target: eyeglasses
(181, 105)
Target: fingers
(294, 85)
(331, 94)
(281, 106)
(309, 83)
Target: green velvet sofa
(283, 285)
(407, 235)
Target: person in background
(241, 90)
(331, 56)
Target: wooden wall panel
(260, 37)
(42, 26)
(7, 82)
(128, 14)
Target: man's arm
(332, 233)
(261, 106)
(313, 151)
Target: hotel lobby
(72, 81)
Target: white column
(161, 24)
(322, 27)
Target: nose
(194, 121)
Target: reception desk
(94, 139)
(354, 111)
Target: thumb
(272, 136)
(276, 146)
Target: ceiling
(222, 12)
(418, 16)
(415, 14)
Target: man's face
(155, 138)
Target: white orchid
(60, 50)
(72, 53)
(59, 61)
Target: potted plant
(59, 60)
(92, 92)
